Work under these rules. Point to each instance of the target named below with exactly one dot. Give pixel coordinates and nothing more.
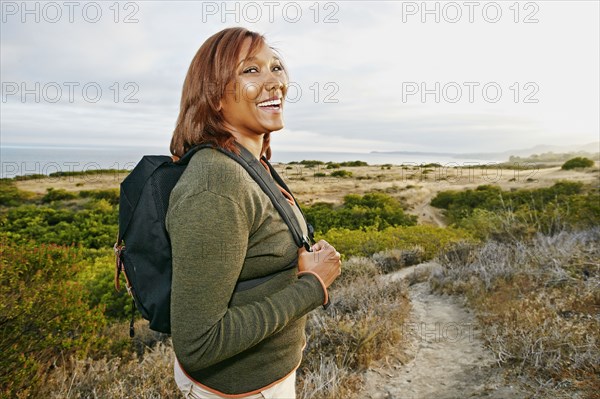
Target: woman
(225, 229)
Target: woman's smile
(273, 105)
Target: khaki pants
(285, 389)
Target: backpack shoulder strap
(266, 183)
(185, 159)
(280, 181)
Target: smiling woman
(225, 230)
(224, 94)
(253, 102)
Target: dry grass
(538, 303)
(392, 260)
(363, 325)
(147, 377)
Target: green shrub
(114, 172)
(111, 195)
(94, 227)
(57, 195)
(44, 314)
(341, 173)
(431, 165)
(97, 276)
(356, 212)
(460, 204)
(309, 163)
(489, 212)
(577, 162)
(367, 242)
(32, 176)
(10, 195)
(354, 163)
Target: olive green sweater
(224, 228)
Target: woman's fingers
(324, 260)
(321, 244)
(327, 255)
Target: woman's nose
(274, 84)
(275, 80)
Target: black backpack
(143, 247)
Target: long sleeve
(209, 236)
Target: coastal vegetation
(524, 255)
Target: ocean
(24, 160)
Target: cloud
(350, 75)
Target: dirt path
(448, 359)
(428, 214)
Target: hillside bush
(94, 227)
(341, 173)
(377, 210)
(57, 194)
(577, 162)
(10, 195)
(489, 212)
(431, 240)
(311, 163)
(97, 276)
(353, 163)
(111, 195)
(44, 314)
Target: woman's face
(256, 80)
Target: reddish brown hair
(212, 68)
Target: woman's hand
(324, 261)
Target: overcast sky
(505, 76)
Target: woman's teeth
(273, 103)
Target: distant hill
(592, 149)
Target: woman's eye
(279, 68)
